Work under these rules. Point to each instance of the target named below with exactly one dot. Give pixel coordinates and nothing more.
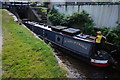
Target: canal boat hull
(78, 46)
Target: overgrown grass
(24, 56)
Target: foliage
(24, 56)
(113, 35)
(76, 18)
(53, 11)
(44, 11)
(85, 17)
(88, 25)
(65, 20)
(89, 29)
(55, 17)
(117, 32)
(45, 4)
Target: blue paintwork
(60, 42)
(50, 35)
(79, 47)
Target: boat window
(58, 39)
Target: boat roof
(68, 31)
(58, 28)
(71, 31)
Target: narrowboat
(70, 39)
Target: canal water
(80, 69)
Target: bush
(55, 17)
(76, 18)
(44, 4)
(53, 11)
(89, 29)
(112, 35)
(116, 30)
(65, 20)
(88, 24)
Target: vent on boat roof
(71, 31)
(58, 28)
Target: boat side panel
(49, 35)
(28, 26)
(83, 48)
(77, 46)
(59, 39)
(35, 29)
(38, 31)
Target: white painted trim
(99, 61)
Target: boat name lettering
(77, 43)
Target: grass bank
(24, 56)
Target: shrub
(88, 24)
(76, 18)
(44, 4)
(116, 30)
(113, 35)
(55, 17)
(53, 11)
(65, 20)
(89, 29)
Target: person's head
(99, 32)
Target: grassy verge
(24, 56)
